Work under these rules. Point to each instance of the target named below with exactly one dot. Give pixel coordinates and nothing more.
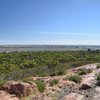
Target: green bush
(84, 71)
(53, 73)
(41, 85)
(98, 66)
(44, 74)
(75, 78)
(2, 82)
(27, 79)
(2, 79)
(98, 79)
(53, 82)
(61, 72)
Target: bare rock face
(87, 67)
(20, 89)
(74, 96)
(88, 81)
(97, 94)
(6, 96)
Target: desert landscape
(49, 49)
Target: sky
(62, 22)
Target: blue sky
(50, 22)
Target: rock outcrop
(6, 96)
(20, 89)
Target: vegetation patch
(75, 78)
(98, 66)
(41, 85)
(54, 82)
(20, 65)
(2, 82)
(84, 71)
(98, 80)
(27, 79)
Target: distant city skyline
(50, 22)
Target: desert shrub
(27, 79)
(2, 82)
(53, 74)
(98, 66)
(53, 82)
(98, 79)
(41, 71)
(15, 75)
(89, 71)
(44, 74)
(76, 64)
(75, 78)
(61, 72)
(84, 71)
(41, 85)
(61, 69)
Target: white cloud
(62, 33)
(67, 33)
(59, 33)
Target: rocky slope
(65, 89)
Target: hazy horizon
(51, 44)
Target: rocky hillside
(81, 83)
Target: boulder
(20, 89)
(6, 96)
(85, 87)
